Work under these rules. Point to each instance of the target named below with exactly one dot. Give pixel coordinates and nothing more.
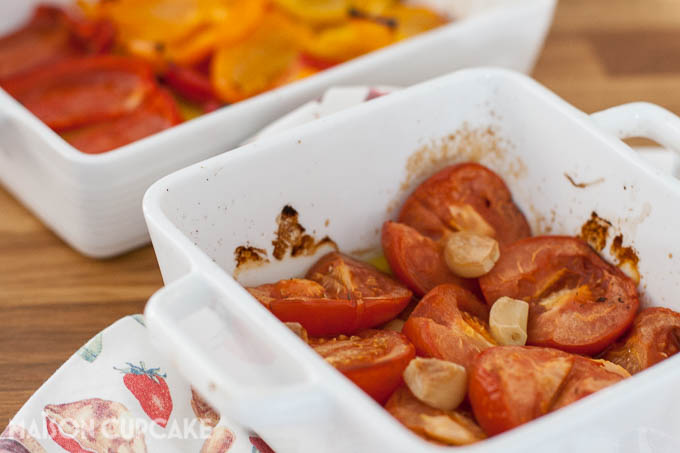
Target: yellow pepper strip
(375, 7)
(258, 62)
(181, 31)
(351, 39)
(317, 12)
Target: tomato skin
(654, 337)
(81, 91)
(418, 261)
(340, 295)
(512, 385)
(449, 323)
(157, 113)
(470, 187)
(600, 305)
(373, 359)
(190, 84)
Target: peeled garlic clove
(298, 330)
(396, 325)
(470, 255)
(508, 321)
(445, 429)
(437, 383)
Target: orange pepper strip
(260, 61)
(180, 31)
(355, 37)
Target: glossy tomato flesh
(339, 295)
(655, 336)
(577, 301)
(418, 261)
(512, 385)
(373, 359)
(449, 323)
(466, 197)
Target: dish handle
(211, 341)
(641, 119)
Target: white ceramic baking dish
(349, 172)
(93, 202)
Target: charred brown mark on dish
(627, 258)
(247, 255)
(595, 231)
(290, 235)
(582, 185)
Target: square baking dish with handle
(346, 174)
(93, 201)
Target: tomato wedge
(417, 260)
(339, 296)
(577, 301)
(449, 323)
(158, 112)
(81, 91)
(372, 359)
(512, 385)
(467, 197)
(459, 428)
(655, 336)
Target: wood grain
(600, 53)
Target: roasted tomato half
(577, 301)
(512, 385)
(339, 296)
(449, 427)
(418, 261)
(372, 359)
(655, 336)
(465, 197)
(80, 91)
(157, 113)
(449, 323)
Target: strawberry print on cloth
(150, 389)
(146, 409)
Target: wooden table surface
(599, 53)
